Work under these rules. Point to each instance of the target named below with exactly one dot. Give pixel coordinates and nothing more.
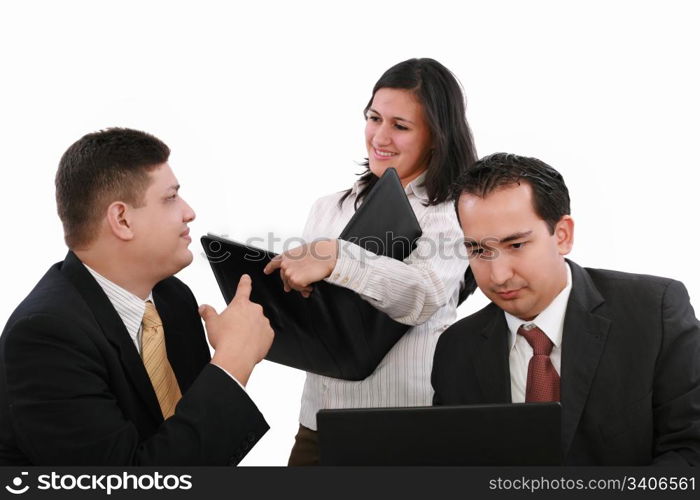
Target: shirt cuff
(351, 267)
(232, 377)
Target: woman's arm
(409, 291)
(412, 290)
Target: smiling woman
(415, 123)
(397, 134)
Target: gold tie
(155, 359)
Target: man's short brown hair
(99, 169)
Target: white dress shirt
(551, 322)
(422, 292)
(130, 309)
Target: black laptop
(480, 435)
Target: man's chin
(186, 260)
(520, 313)
(513, 307)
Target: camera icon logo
(16, 487)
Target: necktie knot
(540, 343)
(151, 319)
(542, 378)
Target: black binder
(385, 223)
(334, 332)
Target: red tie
(542, 378)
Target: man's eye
(518, 245)
(474, 252)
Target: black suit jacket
(73, 388)
(630, 369)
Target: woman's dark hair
(444, 106)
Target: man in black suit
(620, 351)
(106, 362)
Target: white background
(262, 107)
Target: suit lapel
(584, 337)
(114, 329)
(491, 360)
(175, 341)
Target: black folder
(385, 222)
(334, 332)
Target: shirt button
(336, 276)
(345, 280)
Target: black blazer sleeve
(676, 395)
(445, 363)
(64, 410)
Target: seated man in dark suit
(106, 361)
(620, 351)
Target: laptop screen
(481, 435)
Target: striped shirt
(129, 307)
(422, 292)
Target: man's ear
(119, 220)
(564, 234)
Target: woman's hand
(304, 265)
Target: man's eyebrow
(397, 118)
(515, 236)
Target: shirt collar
(129, 307)
(417, 187)
(550, 321)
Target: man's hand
(241, 335)
(304, 265)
